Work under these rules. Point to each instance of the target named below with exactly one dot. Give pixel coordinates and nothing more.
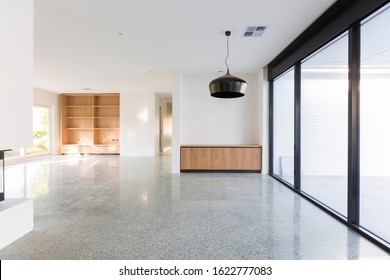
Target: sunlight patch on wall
(143, 116)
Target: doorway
(165, 127)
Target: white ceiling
(77, 45)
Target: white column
(176, 101)
(16, 73)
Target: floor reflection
(27, 181)
(112, 207)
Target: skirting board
(16, 220)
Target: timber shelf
(90, 123)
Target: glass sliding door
(324, 124)
(341, 119)
(283, 125)
(374, 125)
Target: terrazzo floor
(111, 207)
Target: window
(41, 135)
(374, 125)
(324, 124)
(342, 110)
(283, 96)
(40, 131)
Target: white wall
(16, 73)
(51, 100)
(176, 120)
(209, 120)
(263, 115)
(137, 113)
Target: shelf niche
(90, 123)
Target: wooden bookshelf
(90, 123)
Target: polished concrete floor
(374, 198)
(111, 207)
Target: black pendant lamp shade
(227, 86)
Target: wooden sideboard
(213, 157)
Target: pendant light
(227, 86)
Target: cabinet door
(255, 159)
(235, 158)
(216, 157)
(225, 158)
(245, 154)
(245, 158)
(195, 158)
(185, 157)
(71, 149)
(205, 158)
(102, 150)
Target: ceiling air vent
(254, 31)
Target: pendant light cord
(227, 48)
